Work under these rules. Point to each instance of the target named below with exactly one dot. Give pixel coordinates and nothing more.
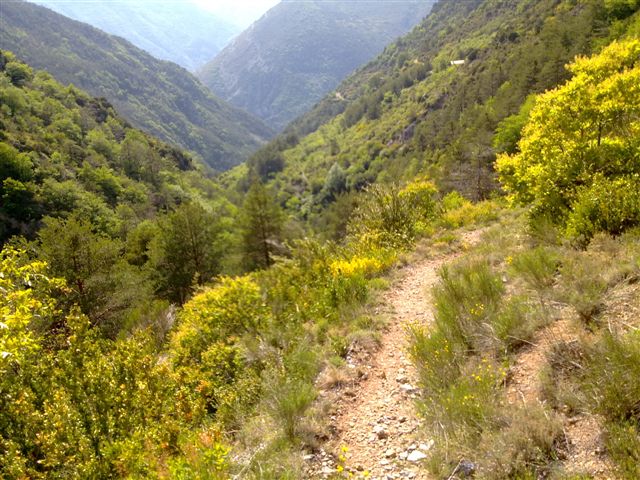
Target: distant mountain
(298, 51)
(181, 32)
(154, 95)
(441, 101)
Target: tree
(14, 164)
(582, 144)
(261, 227)
(334, 184)
(18, 73)
(187, 251)
(266, 162)
(104, 286)
(76, 253)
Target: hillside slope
(298, 51)
(63, 151)
(181, 32)
(412, 112)
(156, 96)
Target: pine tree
(187, 251)
(261, 227)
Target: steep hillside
(159, 97)
(411, 111)
(127, 352)
(298, 51)
(181, 32)
(62, 151)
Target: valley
(431, 271)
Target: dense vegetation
(579, 158)
(411, 112)
(153, 327)
(156, 96)
(299, 51)
(181, 32)
(102, 374)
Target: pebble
(416, 456)
(426, 446)
(407, 387)
(380, 432)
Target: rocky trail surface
(375, 427)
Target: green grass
(485, 316)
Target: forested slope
(298, 51)
(125, 351)
(157, 96)
(412, 112)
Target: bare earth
(376, 420)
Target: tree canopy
(579, 157)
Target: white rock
(416, 456)
(426, 446)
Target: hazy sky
(239, 12)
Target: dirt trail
(583, 433)
(376, 421)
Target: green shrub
(466, 298)
(385, 217)
(537, 266)
(578, 158)
(232, 308)
(516, 322)
(205, 458)
(583, 284)
(622, 440)
(287, 404)
(459, 212)
(463, 409)
(612, 390)
(543, 231)
(525, 448)
(437, 362)
(609, 205)
(611, 381)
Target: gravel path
(377, 421)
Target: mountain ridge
(297, 51)
(158, 96)
(183, 33)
